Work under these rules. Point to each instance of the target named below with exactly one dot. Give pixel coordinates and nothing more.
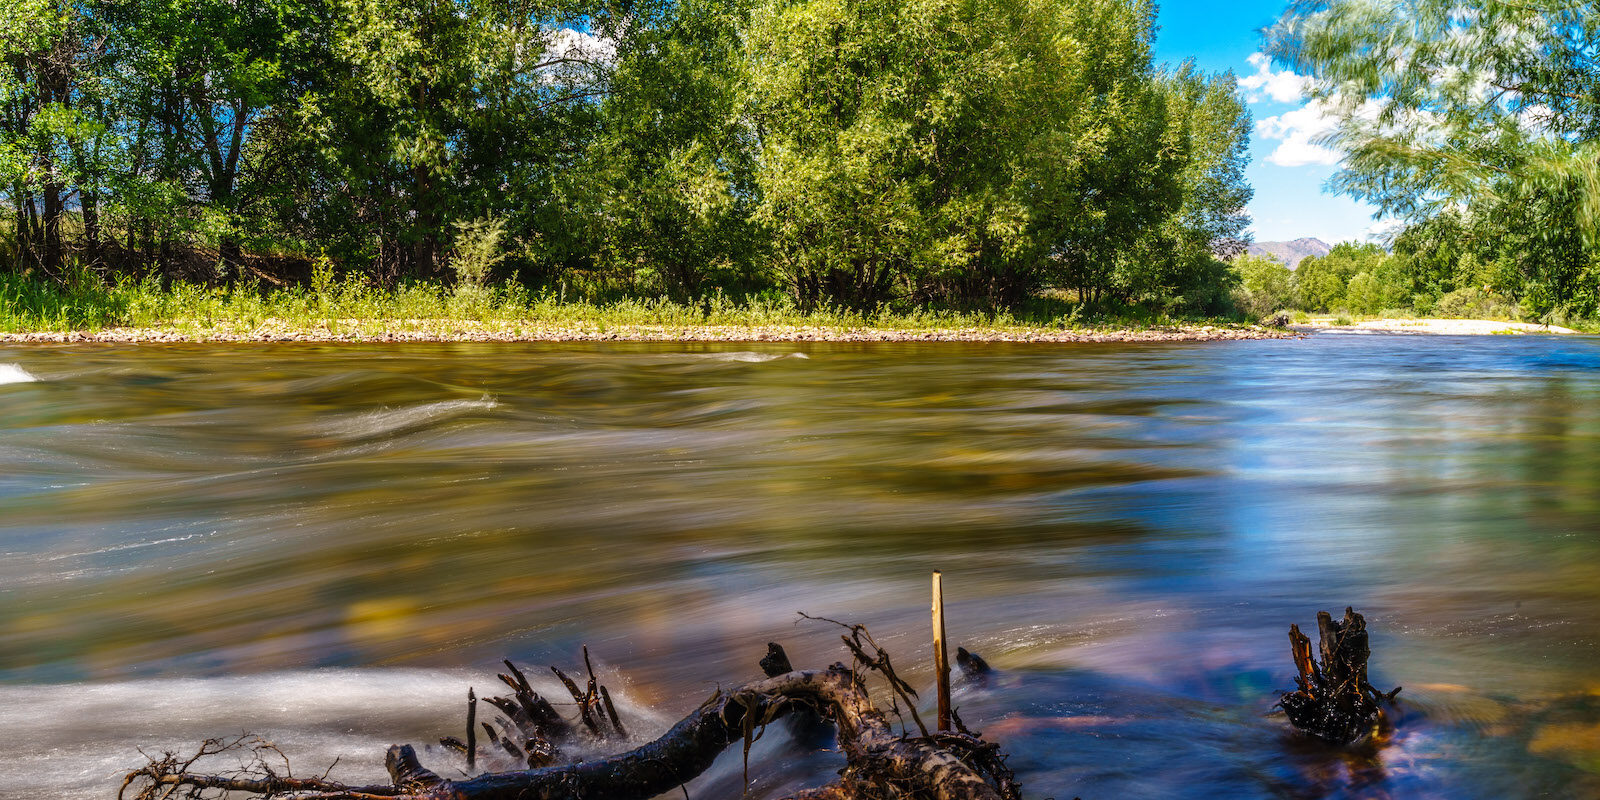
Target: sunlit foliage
(842, 152)
(1478, 121)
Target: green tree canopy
(1442, 101)
(852, 152)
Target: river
(328, 544)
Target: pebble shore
(443, 331)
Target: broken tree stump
(1334, 701)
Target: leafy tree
(669, 178)
(890, 137)
(193, 81)
(849, 151)
(1479, 122)
(1266, 283)
(44, 47)
(978, 150)
(438, 112)
(1441, 101)
(1318, 287)
(1431, 255)
(1370, 292)
(1509, 248)
(1196, 209)
(1321, 283)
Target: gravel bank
(1442, 327)
(467, 331)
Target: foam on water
(11, 373)
(74, 741)
(746, 356)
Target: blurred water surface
(327, 544)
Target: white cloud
(1297, 130)
(576, 44)
(1537, 119)
(1282, 86)
(1384, 231)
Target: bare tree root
(167, 777)
(945, 765)
(1334, 701)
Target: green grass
(350, 305)
(81, 303)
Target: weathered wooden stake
(472, 731)
(941, 660)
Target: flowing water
(327, 544)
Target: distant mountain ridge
(1291, 252)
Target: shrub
(1473, 302)
(477, 250)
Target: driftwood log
(942, 765)
(1334, 701)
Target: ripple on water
(1127, 530)
(393, 421)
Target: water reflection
(1128, 531)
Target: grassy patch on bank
(350, 305)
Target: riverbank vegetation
(1425, 276)
(330, 307)
(1480, 129)
(863, 157)
(888, 162)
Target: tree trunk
(52, 223)
(33, 237)
(91, 226)
(425, 252)
(19, 234)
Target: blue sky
(1287, 171)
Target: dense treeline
(1512, 265)
(844, 152)
(1476, 123)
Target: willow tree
(1442, 100)
(1488, 107)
